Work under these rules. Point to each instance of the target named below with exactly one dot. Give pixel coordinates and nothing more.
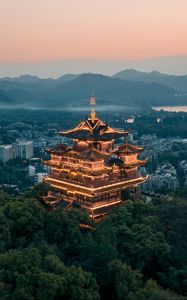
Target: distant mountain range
(173, 81)
(5, 98)
(128, 87)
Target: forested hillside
(138, 252)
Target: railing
(96, 182)
(93, 191)
(99, 204)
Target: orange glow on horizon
(45, 30)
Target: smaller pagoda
(92, 173)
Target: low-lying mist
(86, 108)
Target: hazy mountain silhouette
(109, 90)
(5, 98)
(173, 81)
(67, 77)
(176, 64)
(128, 87)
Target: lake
(171, 108)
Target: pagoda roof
(58, 149)
(89, 154)
(136, 163)
(92, 154)
(129, 149)
(62, 150)
(93, 130)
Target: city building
(31, 171)
(24, 149)
(93, 172)
(6, 153)
(165, 177)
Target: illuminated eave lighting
(141, 179)
(102, 205)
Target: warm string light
(104, 204)
(93, 190)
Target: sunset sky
(35, 31)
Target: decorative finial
(92, 103)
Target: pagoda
(92, 173)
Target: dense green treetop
(138, 252)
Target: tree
(62, 227)
(140, 243)
(38, 191)
(27, 275)
(4, 198)
(127, 284)
(26, 221)
(123, 282)
(5, 236)
(142, 247)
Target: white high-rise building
(24, 149)
(6, 153)
(31, 171)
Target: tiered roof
(89, 154)
(58, 149)
(135, 163)
(93, 130)
(93, 154)
(128, 149)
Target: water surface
(171, 108)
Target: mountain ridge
(140, 89)
(178, 82)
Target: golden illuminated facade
(92, 173)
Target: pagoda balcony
(99, 204)
(53, 199)
(51, 163)
(98, 180)
(78, 188)
(95, 182)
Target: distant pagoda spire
(92, 103)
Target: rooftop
(93, 128)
